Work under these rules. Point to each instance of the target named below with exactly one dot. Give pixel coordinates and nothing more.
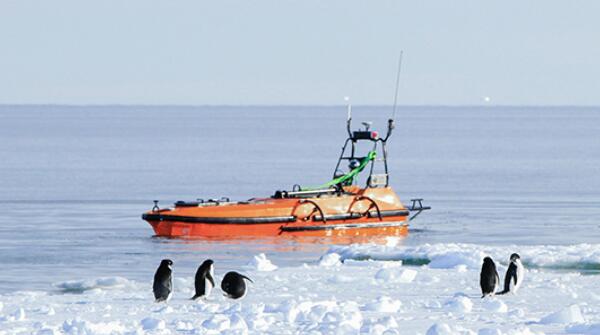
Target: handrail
(373, 203)
(316, 206)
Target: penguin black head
(205, 268)
(166, 263)
(514, 257)
(488, 260)
(207, 264)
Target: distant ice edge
(451, 255)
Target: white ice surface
(260, 262)
(373, 297)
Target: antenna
(397, 84)
(347, 99)
(349, 119)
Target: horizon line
(296, 105)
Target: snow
(328, 296)
(571, 314)
(495, 305)
(152, 323)
(330, 259)
(459, 304)
(261, 263)
(396, 275)
(593, 329)
(383, 304)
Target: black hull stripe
(264, 219)
(372, 214)
(214, 220)
(344, 226)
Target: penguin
(163, 281)
(514, 275)
(204, 282)
(489, 279)
(234, 286)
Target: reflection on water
(282, 243)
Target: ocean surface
(74, 180)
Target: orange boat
(337, 208)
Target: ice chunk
(17, 315)
(330, 259)
(571, 314)
(495, 305)
(385, 325)
(261, 263)
(77, 327)
(217, 322)
(182, 325)
(396, 275)
(237, 322)
(152, 324)
(442, 329)
(445, 329)
(459, 304)
(383, 304)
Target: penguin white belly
(172, 289)
(207, 287)
(170, 282)
(496, 285)
(514, 287)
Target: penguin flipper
(247, 278)
(210, 278)
(511, 274)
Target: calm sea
(75, 180)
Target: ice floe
(451, 255)
(327, 296)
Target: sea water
(74, 180)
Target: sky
(239, 52)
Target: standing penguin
(233, 285)
(514, 275)
(489, 279)
(204, 282)
(163, 281)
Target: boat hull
(184, 229)
(363, 212)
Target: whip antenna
(397, 85)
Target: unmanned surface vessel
(337, 208)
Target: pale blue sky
(299, 52)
